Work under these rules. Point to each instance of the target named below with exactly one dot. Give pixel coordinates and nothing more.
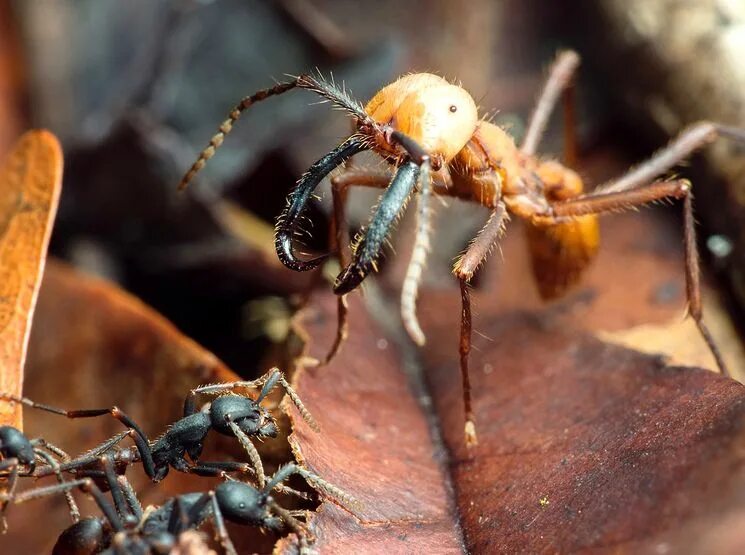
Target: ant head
(242, 503)
(14, 444)
(435, 114)
(253, 419)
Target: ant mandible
(429, 131)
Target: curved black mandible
(288, 221)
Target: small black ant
(228, 414)
(126, 528)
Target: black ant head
(253, 419)
(14, 444)
(243, 504)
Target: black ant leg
(301, 531)
(179, 519)
(85, 485)
(50, 460)
(139, 436)
(130, 495)
(209, 468)
(287, 223)
(222, 531)
(559, 81)
(86, 459)
(368, 246)
(117, 494)
(12, 479)
(250, 448)
(464, 270)
(345, 500)
(339, 237)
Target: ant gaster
(430, 133)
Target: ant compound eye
(453, 108)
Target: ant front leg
(464, 270)
(340, 237)
(140, 439)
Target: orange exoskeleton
(430, 133)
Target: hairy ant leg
(418, 260)
(139, 437)
(339, 235)
(369, 243)
(464, 269)
(634, 189)
(559, 82)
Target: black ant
(430, 133)
(228, 414)
(126, 529)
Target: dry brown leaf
(94, 345)
(30, 182)
(375, 443)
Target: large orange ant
(430, 133)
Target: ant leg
(464, 270)
(88, 458)
(340, 238)
(250, 448)
(130, 495)
(217, 468)
(331, 491)
(85, 485)
(71, 504)
(688, 141)
(559, 80)
(369, 244)
(410, 287)
(12, 479)
(597, 203)
(140, 439)
(304, 535)
(117, 494)
(222, 531)
(179, 519)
